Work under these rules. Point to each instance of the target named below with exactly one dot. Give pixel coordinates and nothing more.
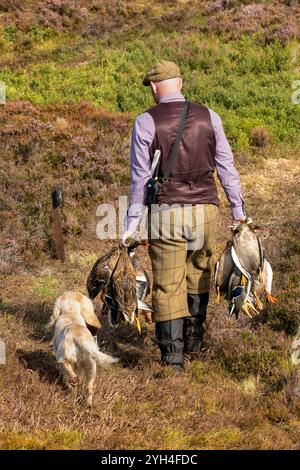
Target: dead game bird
(101, 272)
(242, 273)
(123, 284)
(247, 246)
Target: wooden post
(57, 200)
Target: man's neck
(171, 96)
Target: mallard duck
(247, 246)
(242, 273)
(123, 284)
(100, 274)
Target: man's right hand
(239, 221)
(125, 240)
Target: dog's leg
(91, 375)
(69, 376)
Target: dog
(75, 348)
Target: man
(181, 275)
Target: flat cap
(163, 70)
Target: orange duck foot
(271, 299)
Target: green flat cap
(163, 70)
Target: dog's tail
(101, 358)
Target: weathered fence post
(57, 200)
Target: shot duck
(123, 284)
(242, 274)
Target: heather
(73, 73)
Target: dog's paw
(70, 385)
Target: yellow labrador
(74, 346)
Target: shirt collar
(174, 96)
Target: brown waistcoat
(192, 177)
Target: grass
(58, 440)
(80, 70)
(45, 288)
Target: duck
(122, 283)
(242, 273)
(101, 272)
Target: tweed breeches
(181, 248)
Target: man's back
(191, 180)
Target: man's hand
(239, 221)
(125, 240)
(236, 222)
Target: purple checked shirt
(140, 165)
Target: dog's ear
(55, 314)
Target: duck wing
(142, 278)
(114, 312)
(125, 287)
(96, 284)
(101, 272)
(234, 281)
(223, 269)
(142, 286)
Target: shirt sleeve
(227, 173)
(140, 168)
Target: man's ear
(153, 87)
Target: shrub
(259, 137)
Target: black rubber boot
(193, 326)
(169, 336)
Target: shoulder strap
(174, 152)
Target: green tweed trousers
(181, 248)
